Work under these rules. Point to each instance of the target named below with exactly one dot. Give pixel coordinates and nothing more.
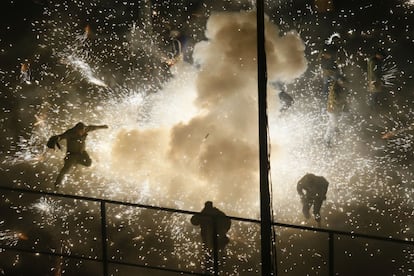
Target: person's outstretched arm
(92, 127)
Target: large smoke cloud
(214, 154)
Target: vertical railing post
(104, 239)
(331, 254)
(215, 247)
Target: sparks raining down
(181, 135)
(50, 210)
(11, 238)
(389, 72)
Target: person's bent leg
(66, 167)
(306, 207)
(317, 210)
(85, 159)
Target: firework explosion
(148, 130)
(183, 134)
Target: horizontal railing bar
(98, 260)
(55, 254)
(301, 227)
(115, 202)
(344, 233)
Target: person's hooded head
(80, 128)
(208, 204)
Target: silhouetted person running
(212, 220)
(75, 147)
(312, 191)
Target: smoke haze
(214, 155)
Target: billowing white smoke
(214, 154)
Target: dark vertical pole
(331, 255)
(215, 246)
(265, 215)
(104, 238)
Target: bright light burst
(51, 210)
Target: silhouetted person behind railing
(75, 147)
(312, 191)
(211, 220)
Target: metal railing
(105, 261)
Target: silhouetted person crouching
(312, 191)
